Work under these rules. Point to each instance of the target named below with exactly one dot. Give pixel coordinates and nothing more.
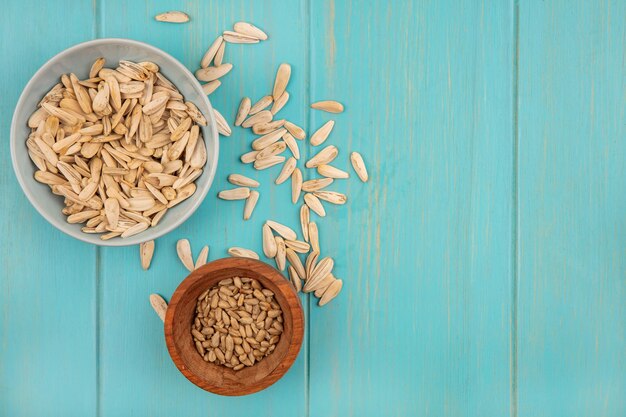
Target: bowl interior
(78, 59)
(219, 379)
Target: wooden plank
(422, 326)
(47, 283)
(137, 375)
(572, 154)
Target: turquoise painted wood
(483, 262)
(572, 159)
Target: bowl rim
(141, 237)
(293, 303)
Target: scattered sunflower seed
(146, 250)
(314, 204)
(264, 116)
(282, 79)
(331, 292)
(295, 130)
(331, 196)
(262, 104)
(242, 112)
(322, 133)
(316, 184)
(183, 248)
(296, 185)
(159, 305)
(314, 237)
(202, 257)
(304, 221)
(172, 17)
(329, 171)
(243, 181)
(269, 243)
(242, 253)
(240, 193)
(210, 52)
(287, 170)
(323, 157)
(359, 166)
(250, 30)
(282, 230)
(251, 201)
(329, 106)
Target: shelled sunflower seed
(146, 251)
(173, 16)
(237, 323)
(121, 147)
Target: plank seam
(307, 91)
(97, 33)
(515, 217)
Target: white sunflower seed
(282, 79)
(331, 172)
(234, 37)
(219, 56)
(311, 262)
(268, 162)
(242, 111)
(183, 249)
(242, 253)
(323, 157)
(280, 102)
(295, 261)
(268, 139)
(359, 166)
(280, 253)
(213, 73)
(265, 128)
(222, 124)
(314, 238)
(331, 196)
(304, 221)
(146, 251)
(159, 305)
(97, 65)
(292, 145)
(287, 170)
(264, 116)
(295, 279)
(173, 16)
(331, 292)
(314, 204)
(321, 270)
(321, 287)
(298, 246)
(133, 230)
(251, 201)
(329, 106)
(316, 184)
(202, 258)
(296, 185)
(249, 157)
(261, 105)
(243, 181)
(250, 30)
(282, 230)
(210, 87)
(269, 243)
(210, 52)
(272, 150)
(322, 133)
(240, 193)
(295, 130)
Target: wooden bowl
(220, 379)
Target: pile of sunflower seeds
(121, 147)
(237, 323)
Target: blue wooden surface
(483, 263)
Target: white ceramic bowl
(78, 59)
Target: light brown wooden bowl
(219, 379)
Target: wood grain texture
(47, 279)
(181, 312)
(130, 334)
(572, 159)
(424, 249)
(482, 263)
